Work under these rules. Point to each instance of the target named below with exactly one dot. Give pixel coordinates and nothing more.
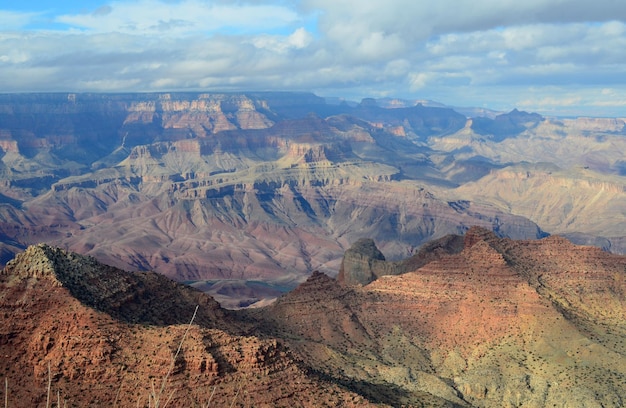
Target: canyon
(244, 195)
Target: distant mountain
(506, 125)
(472, 321)
(246, 194)
(470, 112)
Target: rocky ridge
(105, 337)
(499, 323)
(474, 321)
(140, 297)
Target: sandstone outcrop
(361, 264)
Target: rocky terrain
(469, 321)
(498, 323)
(89, 335)
(244, 195)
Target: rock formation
(478, 321)
(363, 262)
(498, 323)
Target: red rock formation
(500, 322)
(497, 322)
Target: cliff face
(205, 114)
(361, 264)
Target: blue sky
(556, 57)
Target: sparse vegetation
(155, 399)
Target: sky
(555, 57)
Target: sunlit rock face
(489, 322)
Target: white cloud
(550, 101)
(12, 20)
(456, 51)
(397, 68)
(299, 39)
(417, 20)
(419, 80)
(154, 17)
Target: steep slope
(103, 337)
(501, 323)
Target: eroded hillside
(104, 337)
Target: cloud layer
(552, 56)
